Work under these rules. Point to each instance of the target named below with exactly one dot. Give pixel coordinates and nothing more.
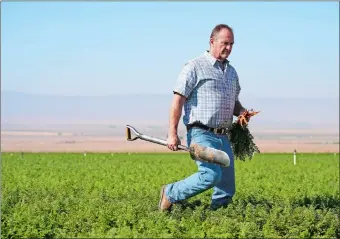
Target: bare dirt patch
(52, 142)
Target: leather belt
(202, 126)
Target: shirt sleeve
(186, 80)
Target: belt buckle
(217, 130)
(220, 131)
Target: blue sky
(282, 49)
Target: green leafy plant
(242, 141)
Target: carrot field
(65, 195)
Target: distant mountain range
(24, 108)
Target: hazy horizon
(278, 113)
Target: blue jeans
(209, 175)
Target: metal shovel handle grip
(128, 134)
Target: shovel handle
(160, 141)
(152, 139)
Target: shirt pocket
(209, 74)
(210, 81)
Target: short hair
(218, 28)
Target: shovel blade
(207, 154)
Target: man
(208, 88)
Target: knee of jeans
(211, 177)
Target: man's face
(222, 44)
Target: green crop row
(51, 195)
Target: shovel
(198, 152)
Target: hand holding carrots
(244, 118)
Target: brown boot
(164, 203)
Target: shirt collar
(212, 59)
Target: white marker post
(294, 156)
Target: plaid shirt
(211, 92)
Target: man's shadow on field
(198, 203)
(318, 201)
(189, 205)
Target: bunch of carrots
(240, 137)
